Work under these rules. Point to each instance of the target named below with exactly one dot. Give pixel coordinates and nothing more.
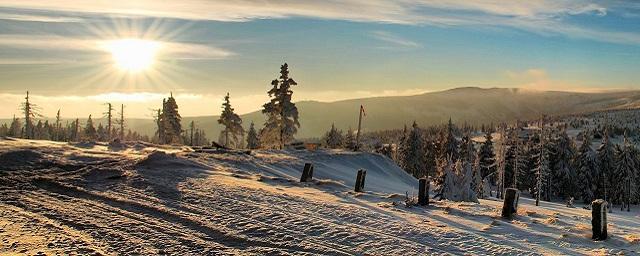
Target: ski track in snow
(91, 200)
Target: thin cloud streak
(544, 17)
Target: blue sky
(336, 49)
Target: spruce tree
(350, 140)
(606, 164)
(487, 156)
(28, 109)
(564, 175)
(449, 143)
(282, 114)
(333, 138)
(445, 182)
(253, 142)
(90, 132)
(413, 155)
(586, 165)
(624, 178)
(233, 131)
(15, 127)
(542, 170)
(464, 171)
(169, 118)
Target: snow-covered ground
(137, 198)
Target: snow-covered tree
(350, 140)
(413, 155)
(624, 177)
(282, 114)
(90, 132)
(564, 174)
(15, 127)
(542, 170)
(501, 161)
(29, 111)
(171, 120)
(449, 144)
(232, 133)
(253, 142)
(586, 165)
(333, 138)
(464, 172)
(477, 184)
(606, 164)
(445, 182)
(487, 157)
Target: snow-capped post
(307, 173)
(360, 180)
(599, 219)
(423, 192)
(510, 205)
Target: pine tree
(606, 164)
(350, 140)
(28, 109)
(233, 131)
(586, 164)
(333, 138)
(464, 172)
(542, 170)
(487, 157)
(449, 143)
(477, 184)
(253, 142)
(623, 185)
(445, 182)
(15, 127)
(169, 119)
(282, 114)
(413, 155)
(501, 162)
(90, 132)
(564, 175)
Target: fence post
(599, 219)
(423, 192)
(362, 174)
(307, 173)
(510, 205)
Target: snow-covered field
(136, 198)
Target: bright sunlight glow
(133, 55)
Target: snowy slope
(132, 198)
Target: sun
(133, 55)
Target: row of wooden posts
(598, 213)
(509, 207)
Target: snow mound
(161, 160)
(331, 167)
(18, 159)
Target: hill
(468, 104)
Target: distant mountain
(468, 104)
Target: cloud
(174, 50)
(546, 17)
(394, 39)
(537, 79)
(37, 18)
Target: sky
(76, 55)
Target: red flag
(362, 109)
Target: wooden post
(357, 147)
(362, 174)
(307, 173)
(423, 192)
(510, 205)
(599, 219)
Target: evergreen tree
(445, 182)
(28, 109)
(477, 184)
(564, 175)
(587, 165)
(413, 155)
(169, 118)
(606, 164)
(501, 162)
(15, 127)
(464, 171)
(350, 140)
(90, 132)
(233, 131)
(624, 187)
(57, 134)
(486, 156)
(282, 114)
(109, 116)
(542, 170)
(333, 138)
(449, 143)
(253, 142)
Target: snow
(140, 198)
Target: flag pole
(357, 147)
